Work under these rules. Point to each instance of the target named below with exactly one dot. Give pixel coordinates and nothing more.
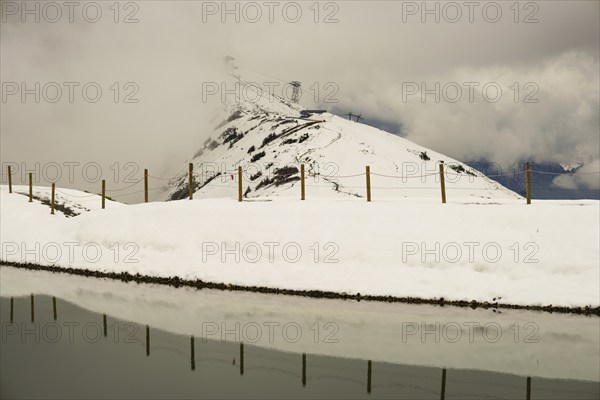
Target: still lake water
(72, 337)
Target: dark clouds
(370, 54)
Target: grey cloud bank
(375, 52)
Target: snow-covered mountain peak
(249, 94)
(270, 137)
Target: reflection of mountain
(542, 186)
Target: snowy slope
(544, 253)
(269, 138)
(67, 202)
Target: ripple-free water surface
(116, 340)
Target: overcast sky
(368, 56)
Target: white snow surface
(549, 249)
(484, 244)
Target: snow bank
(545, 253)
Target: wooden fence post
(528, 388)
(54, 313)
(528, 182)
(368, 174)
(12, 309)
(442, 182)
(9, 180)
(52, 201)
(239, 183)
(30, 187)
(191, 182)
(145, 185)
(104, 326)
(103, 192)
(302, 189)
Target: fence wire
(330, 180)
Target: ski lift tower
(295, 91)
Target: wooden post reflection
(241, 358)
(303, 369)
(147, 340)
(443, 395)
(193, 353)
(369, 368)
